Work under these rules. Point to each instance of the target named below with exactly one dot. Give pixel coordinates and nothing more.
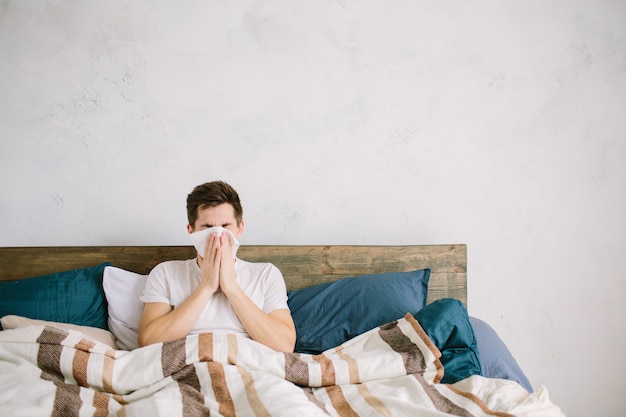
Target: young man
(216, 292)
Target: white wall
(496, 124)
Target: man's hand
(218, 265)
(210, 264)
(227, 272)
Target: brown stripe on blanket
(422, 334)
(49, 353)
(107, 370)
(233, 348)
(308, 392)
(205, 347)
(353, 367)
(480, 403)
(429, 343)
(173, 356)
(187, 376)
(193, 402)
(220, 389)
(373, 401)
(52, 335)
(411, 354)
(440, 402)
(120, 399)
(252, 394)
(79, 367)
(80, 361)
(327, 369)
(338, 400)
(101, 404)
(173, 359)
(85, 345)
(67, 401)
(296, 370)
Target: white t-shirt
(172, 282)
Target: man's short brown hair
(212, 194)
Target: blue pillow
(327, 315)
(447, 324)
(496, 359)
(74, 297)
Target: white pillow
(100, 335)
(122, 290)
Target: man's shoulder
(256, 267)
(175, 265)
(255, 264)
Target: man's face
(222, 215)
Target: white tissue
(200, 238)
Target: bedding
(329, 314)
(404, 344)
(495, 357)
(94, 333)
(74, 296)
(390, 370)
(447, 324)
(122, 290)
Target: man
(216, 292)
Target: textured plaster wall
(496, 124)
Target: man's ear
(240, 228)
(189, 229)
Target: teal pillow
(448, 325)
(74, 297)
(326, 315)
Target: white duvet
(393, 370)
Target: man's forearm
(174, 324)
(273, 330)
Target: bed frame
(302, 266)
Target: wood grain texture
(302, 266)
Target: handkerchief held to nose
(200, 238)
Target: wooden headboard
(302, 266)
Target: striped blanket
(389, 371)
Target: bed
(382, 331)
